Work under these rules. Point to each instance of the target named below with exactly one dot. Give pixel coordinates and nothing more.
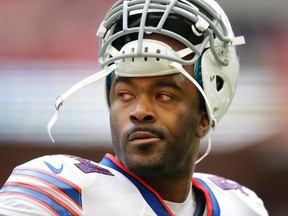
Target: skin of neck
(174, 188)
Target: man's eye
(124, 96)
(163, 97)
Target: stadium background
(47, 46)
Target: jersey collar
(204, 195)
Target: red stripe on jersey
(76, 187)
(55, 199)
(64, 180)
(209, 204)
(55, 188)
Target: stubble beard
(139, 166)
(146, 167)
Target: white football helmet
(200, 25)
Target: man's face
(156, 123)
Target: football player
(171, 69)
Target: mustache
(154, 131)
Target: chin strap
(61, 98)
(209, 147)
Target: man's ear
(203, 124)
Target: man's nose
(143, 112)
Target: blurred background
(47, 46)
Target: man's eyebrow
(167, 83)
(155, 84)
(120, 79)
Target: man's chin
(145, 167)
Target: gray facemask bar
(202, 24)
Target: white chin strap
(61, 98)
(213, 121)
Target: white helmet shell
(219, 81)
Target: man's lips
(142, 137)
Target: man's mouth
(142, 137)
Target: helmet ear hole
(219, 83)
